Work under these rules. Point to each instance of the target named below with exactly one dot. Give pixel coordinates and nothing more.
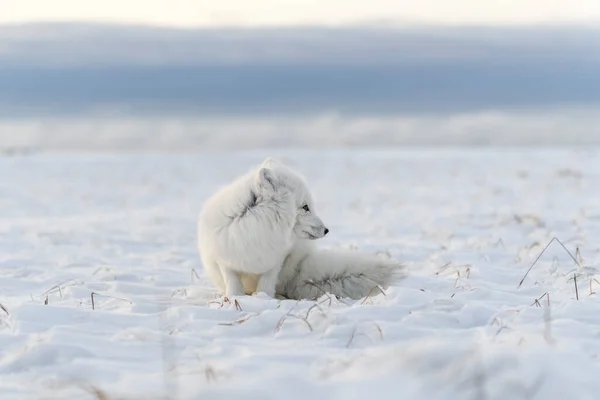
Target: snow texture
(467, 223)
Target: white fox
(258, 234)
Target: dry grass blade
(96, 392)
(283, 318)
(317, 306)
(536, 302)
(280, 322)
(194, 273)
(368, 297)
(220, 303)
(305, 321)
(226, 300)
(578, 253)
(444, 267)
(540, 255)
(4, 309)
(107, 296)
(591, 290)
(354, 336)
(100, 395)
(215, 302)
(239, 320)
(210, 374)
(311, 308)
(60, 286)
(237, 305)
(351, 338)
(378, 330)
(500, 242)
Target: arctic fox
(258, 234)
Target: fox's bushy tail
(343, 273)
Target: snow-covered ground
(102, 285)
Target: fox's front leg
(233, 285)
(268, 281)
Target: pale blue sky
(540, 54)
(72, 68)
(191, 13)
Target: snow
(467, 223)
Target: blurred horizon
(484, 85)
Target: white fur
(256, 236)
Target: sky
(71, 69)
(452, 61)
(197, 13)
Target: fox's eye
(305, 208)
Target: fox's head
(275, 174)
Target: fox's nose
(326, 231)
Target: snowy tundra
(257, 235)
(468, 223)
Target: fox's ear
(270, 161)
(266, 180)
